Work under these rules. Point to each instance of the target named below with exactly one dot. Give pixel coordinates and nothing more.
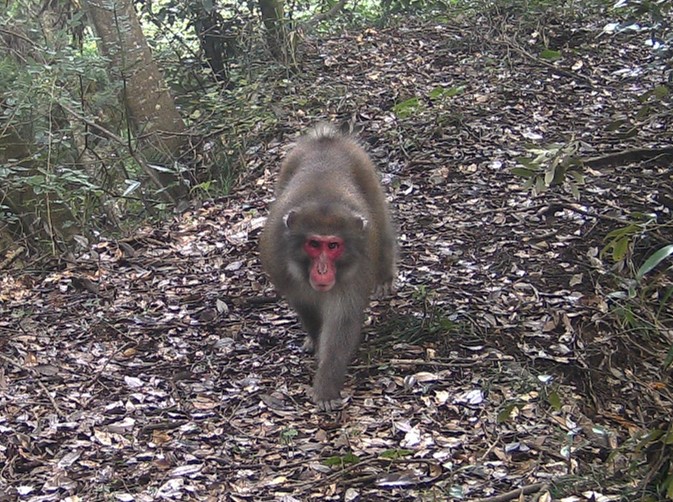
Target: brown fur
(329, 186)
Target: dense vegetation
(512, 134)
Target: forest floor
(509, 365)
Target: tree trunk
(151, 109)
(209, 27)
(37, 217)
(33, 216)
(276, 35)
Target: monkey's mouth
(322, 287)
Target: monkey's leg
(312, 322)
(386, 271)
(339, 340)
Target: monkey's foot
(383, 290)
(309, 345)
(325, 403)
(330, 405)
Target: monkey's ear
(287, 219)
(363, 221)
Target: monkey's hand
(384, 289)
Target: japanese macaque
(328, 243)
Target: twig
(555, 69)
(18, 35)
(119, 350)
(515, 494)
(260, 300)
(141, 161)
(566, 204)
(626, 156)
(37, 379)
(311, 23)
(11, 256)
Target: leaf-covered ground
(162, 367)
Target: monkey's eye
(314, 243)
(333, 245)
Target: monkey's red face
(323, 251)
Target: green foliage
(414, 6)
(415, 106)
(640, 305)
(442, 93)
(408, 108)
(39, 160)
(654, 260)
(77, 150)
(506, 412)
(288, 434)
(554, 165)
(554, 400)
(655, 451)
(396, 453)
(621, 241)
(653, 18)
(550, 55)
(546, 389)
(342, 460)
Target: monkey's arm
(339, 339)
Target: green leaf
(661, 91)
(133, 185)
(523, 172)
(668, 438)
(36, 180)
(528, 163)
(669, 358)
(287, 435)
(550, 55)
(574, 190)
(407, 108)
(654, 260)
(442, 92)
(160, 168)
(619, 249)
(456, 492)
(617, 233)
(615, 125)
(554, 400)
(349, 458)
(577, 176)
(505, 413)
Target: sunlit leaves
(396, 454)
(505, 414)
(552, 165)
(620, 240)
(415, 105)
(341, 460)
(408, 108)
(654, 260)
(442, 92)
(550, 55)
